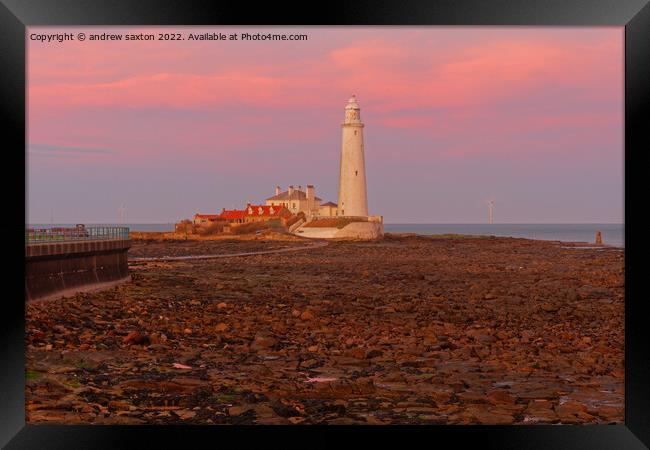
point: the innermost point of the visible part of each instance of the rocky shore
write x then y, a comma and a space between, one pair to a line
403, 330
171, 247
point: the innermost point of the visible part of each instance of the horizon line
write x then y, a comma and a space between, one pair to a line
385, 223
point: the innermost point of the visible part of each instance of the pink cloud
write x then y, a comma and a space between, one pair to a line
400, 77
479, 73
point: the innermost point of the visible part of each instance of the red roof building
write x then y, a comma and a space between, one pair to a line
263, 210
232, 215
254, 213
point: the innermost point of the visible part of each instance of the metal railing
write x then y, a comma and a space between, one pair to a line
40, 235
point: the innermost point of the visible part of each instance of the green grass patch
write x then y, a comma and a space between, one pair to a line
33, 375
73, 382
424, 376
81, 364
225, 398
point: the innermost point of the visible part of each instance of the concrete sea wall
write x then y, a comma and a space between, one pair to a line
55, 270
361, 230
355, 230
317, 232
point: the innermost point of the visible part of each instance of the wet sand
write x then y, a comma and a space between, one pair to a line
403, 330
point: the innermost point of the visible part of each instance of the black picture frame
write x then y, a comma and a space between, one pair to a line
634, 15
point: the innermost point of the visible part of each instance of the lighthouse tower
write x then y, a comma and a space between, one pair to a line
353, 200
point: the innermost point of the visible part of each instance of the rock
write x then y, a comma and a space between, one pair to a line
573, 412
486, 338
394, 376
137, 338
306, 315
263, 341
497, 397
588, 291
222, 305
374, 353
221, 327
539, 411
548, 307
489, 415
446, 345
37, 335
357, 353
119, 405
238, 410
309, 363
264, 411
286, 409
185, 414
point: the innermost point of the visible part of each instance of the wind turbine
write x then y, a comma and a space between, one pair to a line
491, 212
122, 213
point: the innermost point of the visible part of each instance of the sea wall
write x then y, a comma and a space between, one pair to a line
55, 270
361, 230
355, 230
317, 232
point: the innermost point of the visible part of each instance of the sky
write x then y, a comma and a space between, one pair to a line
530, 117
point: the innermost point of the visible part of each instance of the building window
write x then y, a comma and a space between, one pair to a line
355, 132
356, 172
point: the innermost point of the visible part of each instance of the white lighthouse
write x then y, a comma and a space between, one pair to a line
353, 200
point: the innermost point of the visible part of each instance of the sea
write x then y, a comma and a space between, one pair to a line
612, 233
